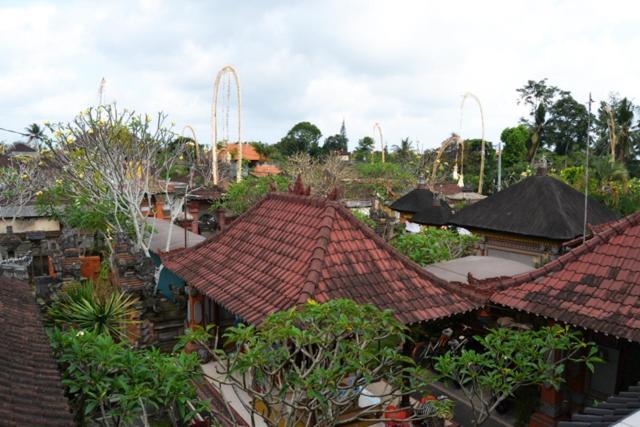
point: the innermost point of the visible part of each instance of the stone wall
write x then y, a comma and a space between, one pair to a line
160, 321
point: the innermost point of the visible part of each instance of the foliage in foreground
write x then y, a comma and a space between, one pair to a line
435, 245
310, 364
116, 385
511, 360
93, 306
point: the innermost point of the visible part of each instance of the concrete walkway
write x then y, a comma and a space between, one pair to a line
233, 398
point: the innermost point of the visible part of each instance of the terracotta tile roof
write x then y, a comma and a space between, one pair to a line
620, 410
265, 170
206, 193
31, 393
447, 188
537, 206
249, 153
289, 248
594, 286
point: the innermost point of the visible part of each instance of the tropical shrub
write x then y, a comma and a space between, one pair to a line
364, 218
510, 360
381, 180
434, 245
244, 194
114, 384
311, 364
93, 306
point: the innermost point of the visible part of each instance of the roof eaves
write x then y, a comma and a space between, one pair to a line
599, 238
476, 300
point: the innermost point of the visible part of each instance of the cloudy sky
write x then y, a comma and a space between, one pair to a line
404, 64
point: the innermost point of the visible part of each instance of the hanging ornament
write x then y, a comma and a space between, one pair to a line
461, 181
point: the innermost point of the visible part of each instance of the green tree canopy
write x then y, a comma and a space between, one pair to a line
566, 130
364, 148
538, 96
304, 137
335, 144
514, 149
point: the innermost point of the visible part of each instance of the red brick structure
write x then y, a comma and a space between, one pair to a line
31, 393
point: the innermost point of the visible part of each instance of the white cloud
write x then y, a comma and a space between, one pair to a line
404, 64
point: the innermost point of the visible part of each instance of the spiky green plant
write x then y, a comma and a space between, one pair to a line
96, 307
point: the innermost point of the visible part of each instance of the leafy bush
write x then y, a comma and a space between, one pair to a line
380, 179
311, 362
435, 245
509, 360
93, 306
242, 195
364, 218
113, 382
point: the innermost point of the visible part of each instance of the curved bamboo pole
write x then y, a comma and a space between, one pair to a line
195, 140
214, 122
376, 126
453, 139
482, 146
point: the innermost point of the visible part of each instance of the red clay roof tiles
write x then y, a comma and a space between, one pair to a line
31, 393
597, 288
289, 248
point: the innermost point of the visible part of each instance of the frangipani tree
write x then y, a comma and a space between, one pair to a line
111, 161
510, 360
20, 183
312, 364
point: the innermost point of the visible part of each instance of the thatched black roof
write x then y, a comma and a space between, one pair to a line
538, 206
425, 207
434, 214
414, 201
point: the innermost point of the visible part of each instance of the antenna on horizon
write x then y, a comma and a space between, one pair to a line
586, 175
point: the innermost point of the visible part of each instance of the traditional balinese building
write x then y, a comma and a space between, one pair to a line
290, 248
265, 170
529, 221
249, 153
595, 287
421, 206
25, 231
31, 391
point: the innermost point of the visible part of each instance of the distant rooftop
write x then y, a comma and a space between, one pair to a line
480, 267
538, 206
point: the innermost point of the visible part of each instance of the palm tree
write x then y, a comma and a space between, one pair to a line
617, 133
35, 133
611, 178
404, 151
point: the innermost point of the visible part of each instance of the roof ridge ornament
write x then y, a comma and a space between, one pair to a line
541, 166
